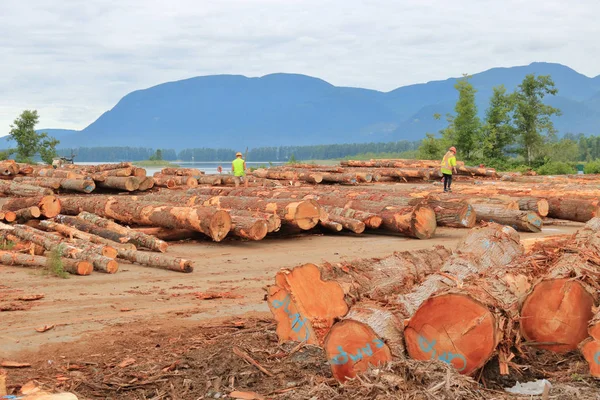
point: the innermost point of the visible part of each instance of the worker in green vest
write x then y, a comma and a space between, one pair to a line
238, 167
449, 165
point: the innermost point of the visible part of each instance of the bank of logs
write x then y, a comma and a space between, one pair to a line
489, 297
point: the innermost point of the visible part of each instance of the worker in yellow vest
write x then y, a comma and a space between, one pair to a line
238, 167
449, 165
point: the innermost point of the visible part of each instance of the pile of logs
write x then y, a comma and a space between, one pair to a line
461, 308
86, 243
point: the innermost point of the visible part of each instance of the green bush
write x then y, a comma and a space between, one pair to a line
593, 167
556, 168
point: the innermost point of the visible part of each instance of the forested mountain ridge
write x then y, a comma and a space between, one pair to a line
234, 111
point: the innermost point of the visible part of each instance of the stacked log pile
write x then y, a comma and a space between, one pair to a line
84, 243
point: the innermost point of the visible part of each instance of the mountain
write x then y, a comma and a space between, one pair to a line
289, 109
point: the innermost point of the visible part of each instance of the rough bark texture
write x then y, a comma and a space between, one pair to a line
249, 227
49, 205
50, 183
156, 260
370, 220
572, 209
184, 180
128, 184
25, 214
182, 172
310, 176
72, 232
350, 224
213, 180
120, 172
23, 190
145, 183
56, 173
307, 299
525, 221
212, 222
139, 239
331, 225
301, 214
91, 228
537, 205
440, 317
52, 242
75, 267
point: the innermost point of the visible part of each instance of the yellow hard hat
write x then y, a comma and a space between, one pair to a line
238, 154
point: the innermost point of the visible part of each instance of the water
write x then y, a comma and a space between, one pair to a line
209, 167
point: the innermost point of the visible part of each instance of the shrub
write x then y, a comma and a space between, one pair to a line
593, 167
556, 168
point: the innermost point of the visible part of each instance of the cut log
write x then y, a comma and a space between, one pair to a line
170, 235
145, 183
309, 177
537, 205
51, 183
139, 239
156, 260
23, 190
56, 173
249, 227
370, 220
9, 168
84, 185
120, 172
91, 228
105, 167
455, 327
25, 214
352, 345
128, 184
349, 179
182, 171
590, 348
301, 214
185, 180
307, 299
555, 314
16, 244
76, 267
52, 242
579, 210
165, 181
139, 172
451, 213
71, 232
214, 223
350, 224
331, 225
49, 205
417, 222
213, 180
525, 221
9, 216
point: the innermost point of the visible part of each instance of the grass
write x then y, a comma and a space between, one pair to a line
155, 163
55, 265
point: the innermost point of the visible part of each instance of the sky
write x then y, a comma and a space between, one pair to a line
73, 60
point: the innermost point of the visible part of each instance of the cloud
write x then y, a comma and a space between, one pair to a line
73, 60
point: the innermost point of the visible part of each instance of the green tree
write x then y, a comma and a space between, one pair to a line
47, 148
497, 131
466, 123
159, 155
532, 116
431, 148
29, 142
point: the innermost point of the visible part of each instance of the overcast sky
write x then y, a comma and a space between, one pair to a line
72, 60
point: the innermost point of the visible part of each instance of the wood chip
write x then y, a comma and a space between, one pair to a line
246, 395
247, 357
14, 364
127, 362
125, 309
45, 328
216, 295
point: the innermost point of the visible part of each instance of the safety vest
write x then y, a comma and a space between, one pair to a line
238, 167
447, 163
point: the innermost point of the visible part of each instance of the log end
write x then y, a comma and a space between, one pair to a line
112, 267
10, 216
542, 207
373, 222
290, 324
452, 328
220, 225
424, 222
49, 206
468, 218
557, 311
306, 214
84, 268
591, 352
352, 347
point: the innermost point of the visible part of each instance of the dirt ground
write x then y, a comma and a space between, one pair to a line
181, 343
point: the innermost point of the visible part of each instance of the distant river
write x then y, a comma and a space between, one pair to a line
209, 167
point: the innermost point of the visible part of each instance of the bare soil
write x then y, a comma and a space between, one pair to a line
181, 338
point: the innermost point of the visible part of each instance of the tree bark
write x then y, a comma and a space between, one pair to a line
170, 235
213, 180
370, 220
106, 167
9, 168
91, 228
23, 190
50, 183
524, 221
145, 183
128, 184
184, 180
214, 223
579, 210
537, 205
52, 242
182, 172
56, 173
301, 214
49, 206
331, 225
139, 239
73, 232
307, 299
349, 179
309, 177
249, 227
25, 214
75, 267
120, 172
165, 181
156, 260
350, 224
440, 317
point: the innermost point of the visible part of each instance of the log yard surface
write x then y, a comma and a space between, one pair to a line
362, 280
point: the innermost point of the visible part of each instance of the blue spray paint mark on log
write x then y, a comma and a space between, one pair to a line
447, 356
344, 357
297, 322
